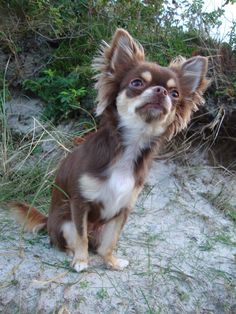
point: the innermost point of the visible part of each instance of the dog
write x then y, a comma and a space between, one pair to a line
142, 105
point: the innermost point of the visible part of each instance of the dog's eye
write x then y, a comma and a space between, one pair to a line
136, 83
175, 93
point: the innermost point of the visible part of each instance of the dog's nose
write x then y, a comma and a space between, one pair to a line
161, 91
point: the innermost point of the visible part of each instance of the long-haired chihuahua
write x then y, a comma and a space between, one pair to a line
141, 105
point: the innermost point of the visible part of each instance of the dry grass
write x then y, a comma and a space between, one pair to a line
179, 244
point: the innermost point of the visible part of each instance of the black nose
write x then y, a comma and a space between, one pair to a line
161, 91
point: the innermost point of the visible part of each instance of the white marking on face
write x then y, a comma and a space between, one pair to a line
147, 76
127, 105
138, 129
118, 190
171, 83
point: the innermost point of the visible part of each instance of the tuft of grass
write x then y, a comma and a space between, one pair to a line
84, 284
150, 309
102, 294
5, 133
224, 239
221, 201
183, 296
231, 213
30, 171
206, 246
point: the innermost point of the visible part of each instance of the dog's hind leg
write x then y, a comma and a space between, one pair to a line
75, 234
109, 237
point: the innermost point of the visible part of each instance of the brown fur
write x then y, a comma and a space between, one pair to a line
110, 72
109, 168
188, 105
29, 217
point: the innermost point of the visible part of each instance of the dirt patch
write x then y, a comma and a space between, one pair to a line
180, 244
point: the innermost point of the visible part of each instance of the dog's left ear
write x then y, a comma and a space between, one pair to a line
193, 82
112, 64
192, 74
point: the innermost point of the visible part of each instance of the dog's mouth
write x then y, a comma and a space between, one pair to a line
157, 107
153, 110
151, 105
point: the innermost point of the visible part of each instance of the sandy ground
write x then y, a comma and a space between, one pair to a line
180, 241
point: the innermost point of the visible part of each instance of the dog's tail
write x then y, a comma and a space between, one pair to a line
28, 216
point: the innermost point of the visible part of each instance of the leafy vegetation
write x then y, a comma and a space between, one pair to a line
70, 32
61, 94
47, 48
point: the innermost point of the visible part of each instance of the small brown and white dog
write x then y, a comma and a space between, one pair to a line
142, 104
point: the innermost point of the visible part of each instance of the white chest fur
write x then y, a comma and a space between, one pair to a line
118, 190
115, 193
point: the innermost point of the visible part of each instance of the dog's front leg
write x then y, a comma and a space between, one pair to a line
80, 241
109, 238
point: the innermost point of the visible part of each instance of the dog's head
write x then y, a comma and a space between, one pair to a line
146, 94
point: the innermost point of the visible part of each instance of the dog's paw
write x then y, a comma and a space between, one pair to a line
79, 266
118, 264
121, 263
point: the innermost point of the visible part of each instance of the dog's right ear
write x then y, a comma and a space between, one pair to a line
113, 62
124, 52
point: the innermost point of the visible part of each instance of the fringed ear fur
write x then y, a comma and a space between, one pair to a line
112, 64
193, 82
191, 73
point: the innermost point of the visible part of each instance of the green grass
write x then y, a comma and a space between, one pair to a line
150, 309
26, 172
224, 239
27, 177
102, 294
84, 284
74, 30
222, 201
206, 246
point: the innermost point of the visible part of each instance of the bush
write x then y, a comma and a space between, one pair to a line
62, 95
74, 29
